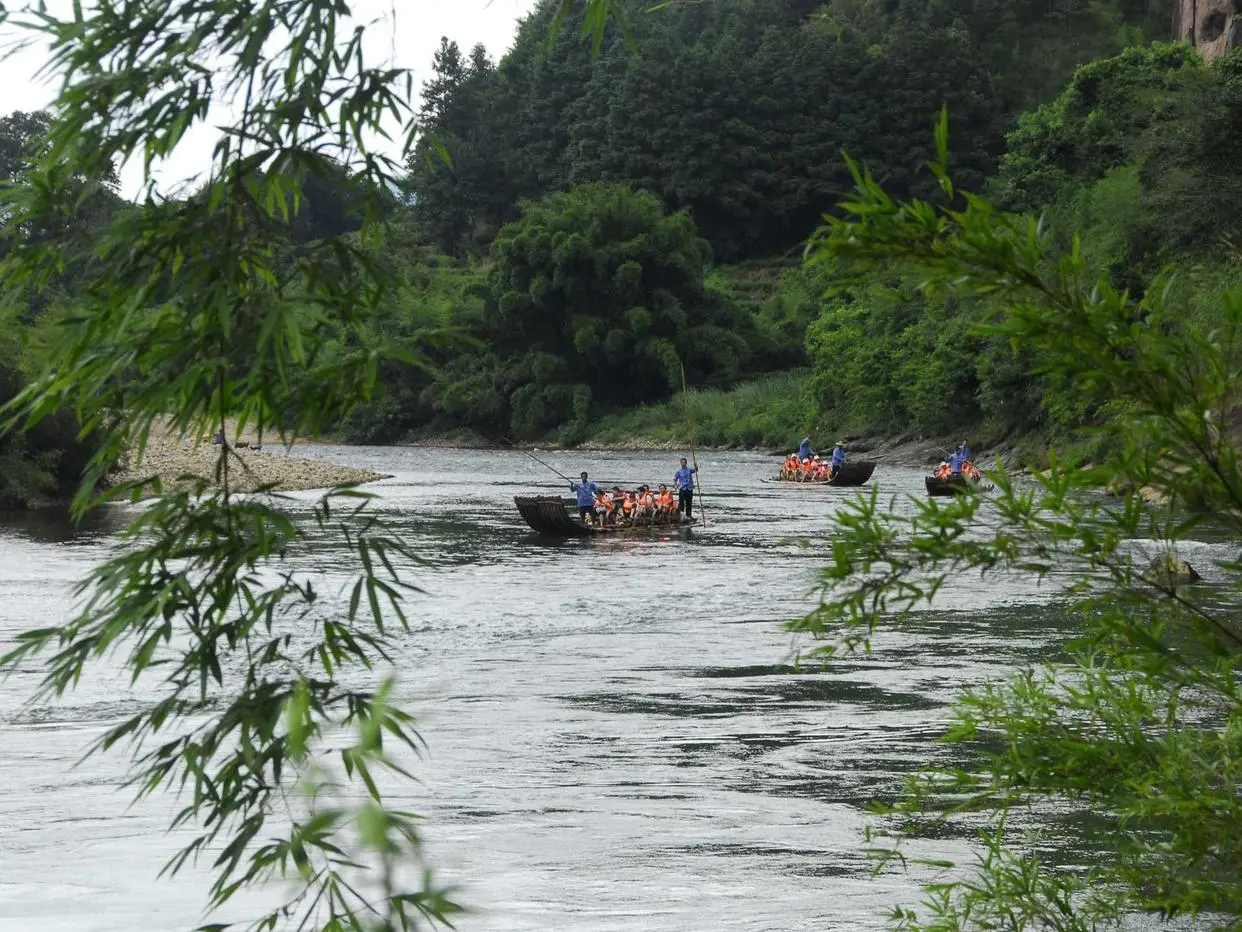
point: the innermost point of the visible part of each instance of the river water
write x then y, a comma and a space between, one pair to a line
615, 738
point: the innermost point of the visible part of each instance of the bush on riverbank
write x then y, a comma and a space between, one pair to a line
771, 412
46, 461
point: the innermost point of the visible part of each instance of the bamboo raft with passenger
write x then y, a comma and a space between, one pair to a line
848, 474
552, 515
956, 476
808, 468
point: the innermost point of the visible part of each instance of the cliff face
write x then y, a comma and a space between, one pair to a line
1212, 26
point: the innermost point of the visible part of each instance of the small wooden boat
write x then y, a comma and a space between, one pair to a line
551, 514
954, 485
849, 474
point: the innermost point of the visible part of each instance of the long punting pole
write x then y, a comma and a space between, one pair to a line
543, 464
698, 484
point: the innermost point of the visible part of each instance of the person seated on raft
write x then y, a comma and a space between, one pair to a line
644, 504
666, 502
605, 507
838, 458
618, 504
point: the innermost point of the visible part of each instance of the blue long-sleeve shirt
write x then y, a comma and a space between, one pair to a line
586, 493
955, 463
964, 453
838, 457
684, 478
805, 452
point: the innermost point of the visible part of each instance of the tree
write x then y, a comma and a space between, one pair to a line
192, 314
1138, 720
738, 111
598, 298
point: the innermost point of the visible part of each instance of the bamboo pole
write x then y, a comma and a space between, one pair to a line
698, 485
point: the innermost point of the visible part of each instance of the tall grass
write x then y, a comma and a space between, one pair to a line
774, 411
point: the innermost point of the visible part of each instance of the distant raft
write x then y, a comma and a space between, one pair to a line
849, 474
953, 485
551, 515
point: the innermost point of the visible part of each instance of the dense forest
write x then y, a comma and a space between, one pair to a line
580, 231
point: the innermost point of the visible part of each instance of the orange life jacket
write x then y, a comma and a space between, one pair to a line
604, 501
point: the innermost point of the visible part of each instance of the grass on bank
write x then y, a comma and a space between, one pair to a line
773, 412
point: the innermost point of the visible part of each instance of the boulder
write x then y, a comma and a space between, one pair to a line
1172, 571
1152, 496
1213, 27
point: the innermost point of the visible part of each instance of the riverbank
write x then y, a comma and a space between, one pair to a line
254, 464
904, 450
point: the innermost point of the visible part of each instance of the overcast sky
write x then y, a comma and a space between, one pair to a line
408, 42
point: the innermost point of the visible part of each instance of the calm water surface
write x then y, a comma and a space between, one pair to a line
616, 741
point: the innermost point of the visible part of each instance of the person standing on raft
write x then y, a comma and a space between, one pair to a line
586, 490
684, 480
804, 451
838, 458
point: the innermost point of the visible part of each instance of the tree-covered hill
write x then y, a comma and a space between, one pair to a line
738, 110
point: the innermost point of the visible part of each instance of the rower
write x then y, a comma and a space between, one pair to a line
586, 491
838, 457
684, 477
804, 450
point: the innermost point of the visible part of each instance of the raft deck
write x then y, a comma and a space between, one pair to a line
848, 475
551, 514
955, 485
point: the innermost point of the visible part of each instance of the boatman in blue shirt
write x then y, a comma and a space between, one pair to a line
586, 491
963, 452
805, 452
684, 479
955, 463
838, 456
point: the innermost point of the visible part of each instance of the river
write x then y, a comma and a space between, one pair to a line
615, 738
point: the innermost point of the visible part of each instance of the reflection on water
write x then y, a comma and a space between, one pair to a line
618, 739
54, 525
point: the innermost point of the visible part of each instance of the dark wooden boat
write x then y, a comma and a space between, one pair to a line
556, 516
849, 474
954, 485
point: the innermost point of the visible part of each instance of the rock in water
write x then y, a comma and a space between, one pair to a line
1172, 571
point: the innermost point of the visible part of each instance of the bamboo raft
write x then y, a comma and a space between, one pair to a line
551, 515
954, 485
849, 474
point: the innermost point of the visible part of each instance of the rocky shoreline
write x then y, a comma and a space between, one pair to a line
252, 466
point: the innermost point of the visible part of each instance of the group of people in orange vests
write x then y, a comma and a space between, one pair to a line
807, 466
809, 470
960, 463
620, 506
644, 506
